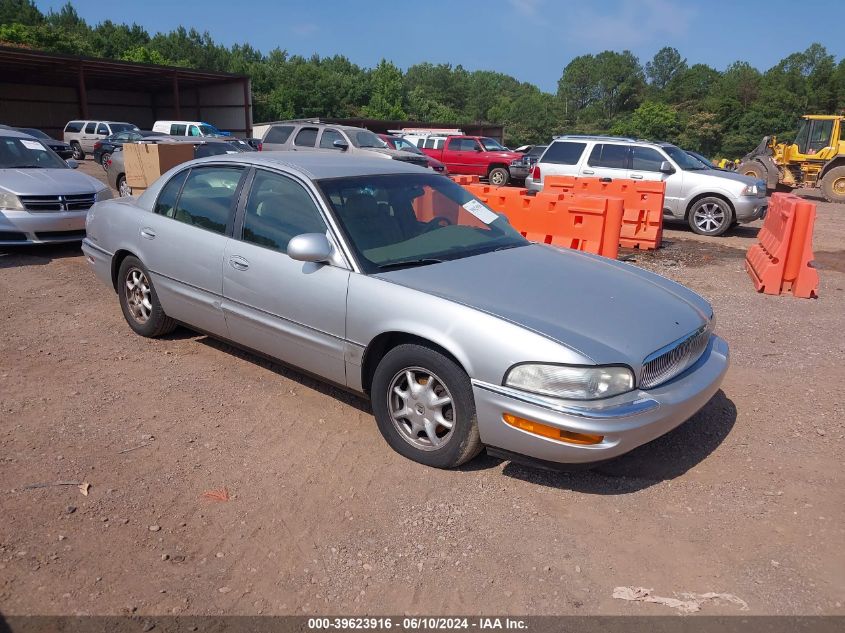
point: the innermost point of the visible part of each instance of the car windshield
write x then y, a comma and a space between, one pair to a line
701, 159
122, 127
402, 220
27, 153
406, 146
365, 138
492, 145
35, 133
682, 159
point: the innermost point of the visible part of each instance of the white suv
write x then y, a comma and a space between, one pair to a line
709, 200
81, 135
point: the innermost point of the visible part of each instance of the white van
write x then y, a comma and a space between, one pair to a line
187, 128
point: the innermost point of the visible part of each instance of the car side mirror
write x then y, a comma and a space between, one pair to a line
72, 163
341, 145
666, 167
310, 247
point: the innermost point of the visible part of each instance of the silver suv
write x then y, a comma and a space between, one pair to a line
81, 135
315, 136
709, 200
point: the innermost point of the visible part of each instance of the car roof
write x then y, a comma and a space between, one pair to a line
320, 165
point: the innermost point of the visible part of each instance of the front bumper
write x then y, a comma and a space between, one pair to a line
519, 172
626, 421
750, 208
24, 227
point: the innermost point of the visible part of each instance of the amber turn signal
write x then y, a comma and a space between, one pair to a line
551, 432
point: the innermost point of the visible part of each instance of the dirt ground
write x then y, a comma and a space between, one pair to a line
747, 497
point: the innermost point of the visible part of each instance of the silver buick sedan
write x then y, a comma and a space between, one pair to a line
396, 283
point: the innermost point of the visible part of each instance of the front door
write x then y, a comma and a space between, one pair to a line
294, 311
183, 240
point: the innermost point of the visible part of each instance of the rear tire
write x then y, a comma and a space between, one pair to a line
104, 160
78, 154
710, 216
417, 393
833, 184
139, 301
499, 176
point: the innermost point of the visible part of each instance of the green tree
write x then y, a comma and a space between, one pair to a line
652, 120
20, 12
387, 96
666, 64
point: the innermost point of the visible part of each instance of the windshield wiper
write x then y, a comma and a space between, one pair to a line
423, 261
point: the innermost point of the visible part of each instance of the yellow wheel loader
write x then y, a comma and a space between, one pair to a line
815, 159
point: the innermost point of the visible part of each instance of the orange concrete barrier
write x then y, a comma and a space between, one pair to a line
465, 180
642, 223
782, 261
584, 223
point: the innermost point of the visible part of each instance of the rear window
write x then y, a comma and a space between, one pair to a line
609, 156
564, 153
278, 134
74, 126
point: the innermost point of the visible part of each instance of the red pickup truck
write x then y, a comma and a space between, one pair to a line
474, 155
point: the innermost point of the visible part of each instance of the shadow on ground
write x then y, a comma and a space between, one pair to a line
37, 254
665, 458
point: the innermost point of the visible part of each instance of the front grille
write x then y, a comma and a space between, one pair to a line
70, 202
668, 362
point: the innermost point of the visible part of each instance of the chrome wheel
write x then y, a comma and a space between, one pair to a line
123, 188
138, 295
709, 217
421, 408
78, 154
104, 161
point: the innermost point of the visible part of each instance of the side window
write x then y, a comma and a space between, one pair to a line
646, 159
609, 156
91, 128
278, 134
102, 129
429, 143
166, 203
177, 129
421, 142
74, 126
462, 145
193, 131
329, 137
439, 143
820, 134
278, 209
208, 196
563, 153
306, 137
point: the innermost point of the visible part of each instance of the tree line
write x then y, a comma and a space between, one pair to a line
719, 113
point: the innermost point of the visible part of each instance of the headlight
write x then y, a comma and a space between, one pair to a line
750, 190
10, 201
577, 383
104, 194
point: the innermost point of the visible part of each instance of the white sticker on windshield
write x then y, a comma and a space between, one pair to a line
32, 144
481, 212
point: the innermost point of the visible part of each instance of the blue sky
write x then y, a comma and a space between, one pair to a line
532, 40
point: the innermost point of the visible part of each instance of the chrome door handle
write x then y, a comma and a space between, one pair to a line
148, 233
238, 263
589, 171
636, 177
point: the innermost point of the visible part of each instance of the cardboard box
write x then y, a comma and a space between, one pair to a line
145, 162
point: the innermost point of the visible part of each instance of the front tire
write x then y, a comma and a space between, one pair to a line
833, 184
499, 177
710, 216
424, 408
78, 154
139, 301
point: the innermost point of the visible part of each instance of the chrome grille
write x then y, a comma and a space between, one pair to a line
70, 202
669, 361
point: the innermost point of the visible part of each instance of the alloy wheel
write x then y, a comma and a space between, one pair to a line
709, 217
421, 408
138, 295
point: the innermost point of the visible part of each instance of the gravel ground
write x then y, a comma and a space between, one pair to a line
322, 517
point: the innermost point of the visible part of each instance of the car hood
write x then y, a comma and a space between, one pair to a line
723, 175
607, 311
46, 182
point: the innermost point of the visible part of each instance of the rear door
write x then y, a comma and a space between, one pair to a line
305, 139
182, 243
294, 311
88, 136
607, 160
